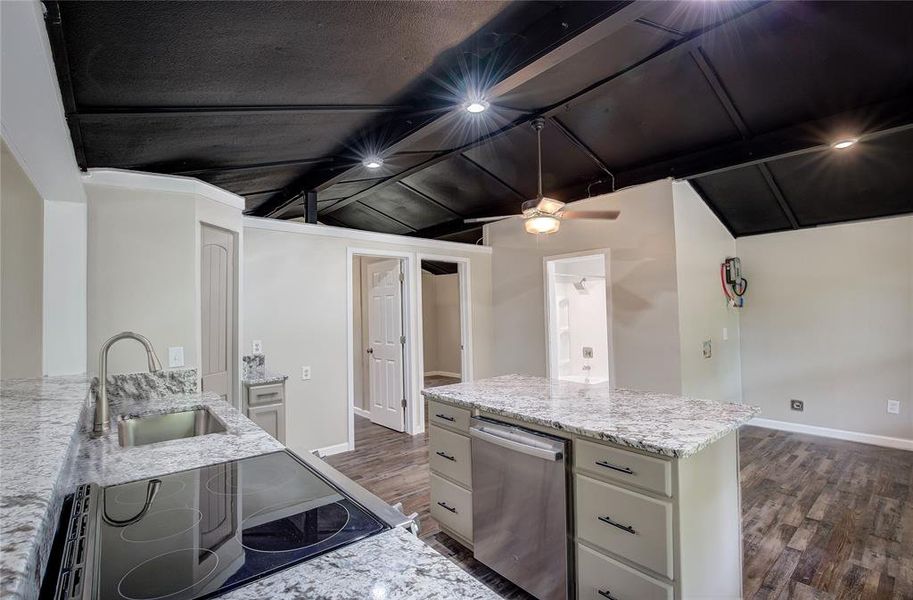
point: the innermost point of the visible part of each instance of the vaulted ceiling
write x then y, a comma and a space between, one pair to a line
281, 102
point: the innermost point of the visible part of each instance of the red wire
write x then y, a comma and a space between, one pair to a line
723, 281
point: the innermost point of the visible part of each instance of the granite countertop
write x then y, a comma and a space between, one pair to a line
38, 441
47, 452
264, 377
666, 424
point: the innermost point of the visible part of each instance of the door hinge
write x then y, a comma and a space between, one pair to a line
402, 340
404, 402
402, 278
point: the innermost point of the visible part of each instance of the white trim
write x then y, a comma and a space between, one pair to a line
442, 374
838, 434
410, 324
165, 183
357, 234
361, 412
330, 450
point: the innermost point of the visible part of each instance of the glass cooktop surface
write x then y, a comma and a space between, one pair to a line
211, 529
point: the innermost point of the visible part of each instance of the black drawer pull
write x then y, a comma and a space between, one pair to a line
445, 507
445, 455
445, 417
627, 528
608, 465
606, 594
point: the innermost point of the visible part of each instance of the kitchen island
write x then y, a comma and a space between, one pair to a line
46, 454
653, 501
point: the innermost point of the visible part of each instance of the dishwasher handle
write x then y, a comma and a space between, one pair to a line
537, 451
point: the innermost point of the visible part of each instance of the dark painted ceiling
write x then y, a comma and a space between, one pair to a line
281, 101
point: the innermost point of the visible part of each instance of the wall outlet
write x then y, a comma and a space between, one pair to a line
257, 347
175, 357
797, 405
587, 352
707, 348
305, 373
894, 407
725, 334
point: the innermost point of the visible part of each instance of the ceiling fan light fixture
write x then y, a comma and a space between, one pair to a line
542, 224
549, 205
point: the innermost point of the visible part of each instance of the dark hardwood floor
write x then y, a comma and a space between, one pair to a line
822, 518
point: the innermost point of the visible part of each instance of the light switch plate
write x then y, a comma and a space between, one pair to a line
894, 407
175, 357
257, 347
305, 373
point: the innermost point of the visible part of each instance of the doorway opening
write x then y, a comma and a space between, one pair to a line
578, 300
442, 336
380, 327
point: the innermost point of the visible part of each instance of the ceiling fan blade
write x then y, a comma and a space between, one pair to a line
490, 219
590, 214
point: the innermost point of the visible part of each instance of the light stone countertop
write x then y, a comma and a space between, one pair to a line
46, 453
670, 425
262, 377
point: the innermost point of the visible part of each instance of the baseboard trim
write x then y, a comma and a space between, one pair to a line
442, 374
331, 450
838, 434
361, 412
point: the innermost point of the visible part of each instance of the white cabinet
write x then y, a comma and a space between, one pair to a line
265, 406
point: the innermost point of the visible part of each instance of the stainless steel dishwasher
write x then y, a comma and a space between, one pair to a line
519, 506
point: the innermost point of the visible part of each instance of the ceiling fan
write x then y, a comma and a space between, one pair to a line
544, 215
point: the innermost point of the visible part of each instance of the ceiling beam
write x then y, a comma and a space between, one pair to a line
517, 193
719, 90
206, 111
866, 123
619, 20
445, 228
383, 214
428, 198
254, 166
572, 137
608, 23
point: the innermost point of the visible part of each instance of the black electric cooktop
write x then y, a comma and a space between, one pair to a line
205, 530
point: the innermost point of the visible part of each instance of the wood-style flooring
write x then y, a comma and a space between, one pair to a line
822, 518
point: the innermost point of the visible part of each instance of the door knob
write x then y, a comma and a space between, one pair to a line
370, 350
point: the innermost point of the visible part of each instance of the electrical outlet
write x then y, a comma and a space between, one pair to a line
707, 348
725, 334
894, 407
175, 357
798, 405
257, 347
587, 352
305, 373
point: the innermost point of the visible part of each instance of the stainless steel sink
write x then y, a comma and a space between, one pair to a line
138, 431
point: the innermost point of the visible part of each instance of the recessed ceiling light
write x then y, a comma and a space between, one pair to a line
844, 143
476, 106
374, 162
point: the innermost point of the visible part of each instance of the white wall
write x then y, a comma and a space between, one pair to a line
144, 262
702, 243
441, 324
21, 271
643, 277
828, 319
295, 301
65, 276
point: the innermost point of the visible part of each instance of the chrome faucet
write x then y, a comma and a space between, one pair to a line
101, 394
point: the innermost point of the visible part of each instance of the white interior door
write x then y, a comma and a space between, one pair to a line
217, 303
385, 344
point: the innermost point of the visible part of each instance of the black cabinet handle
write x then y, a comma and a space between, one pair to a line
606, 594
627, 528
447, 456
445, 417
608, 465
445, 507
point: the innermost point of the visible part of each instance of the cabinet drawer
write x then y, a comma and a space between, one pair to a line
614, 464
259, 395
450, 455
600, 578
451, 506
629, 524
449, 416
